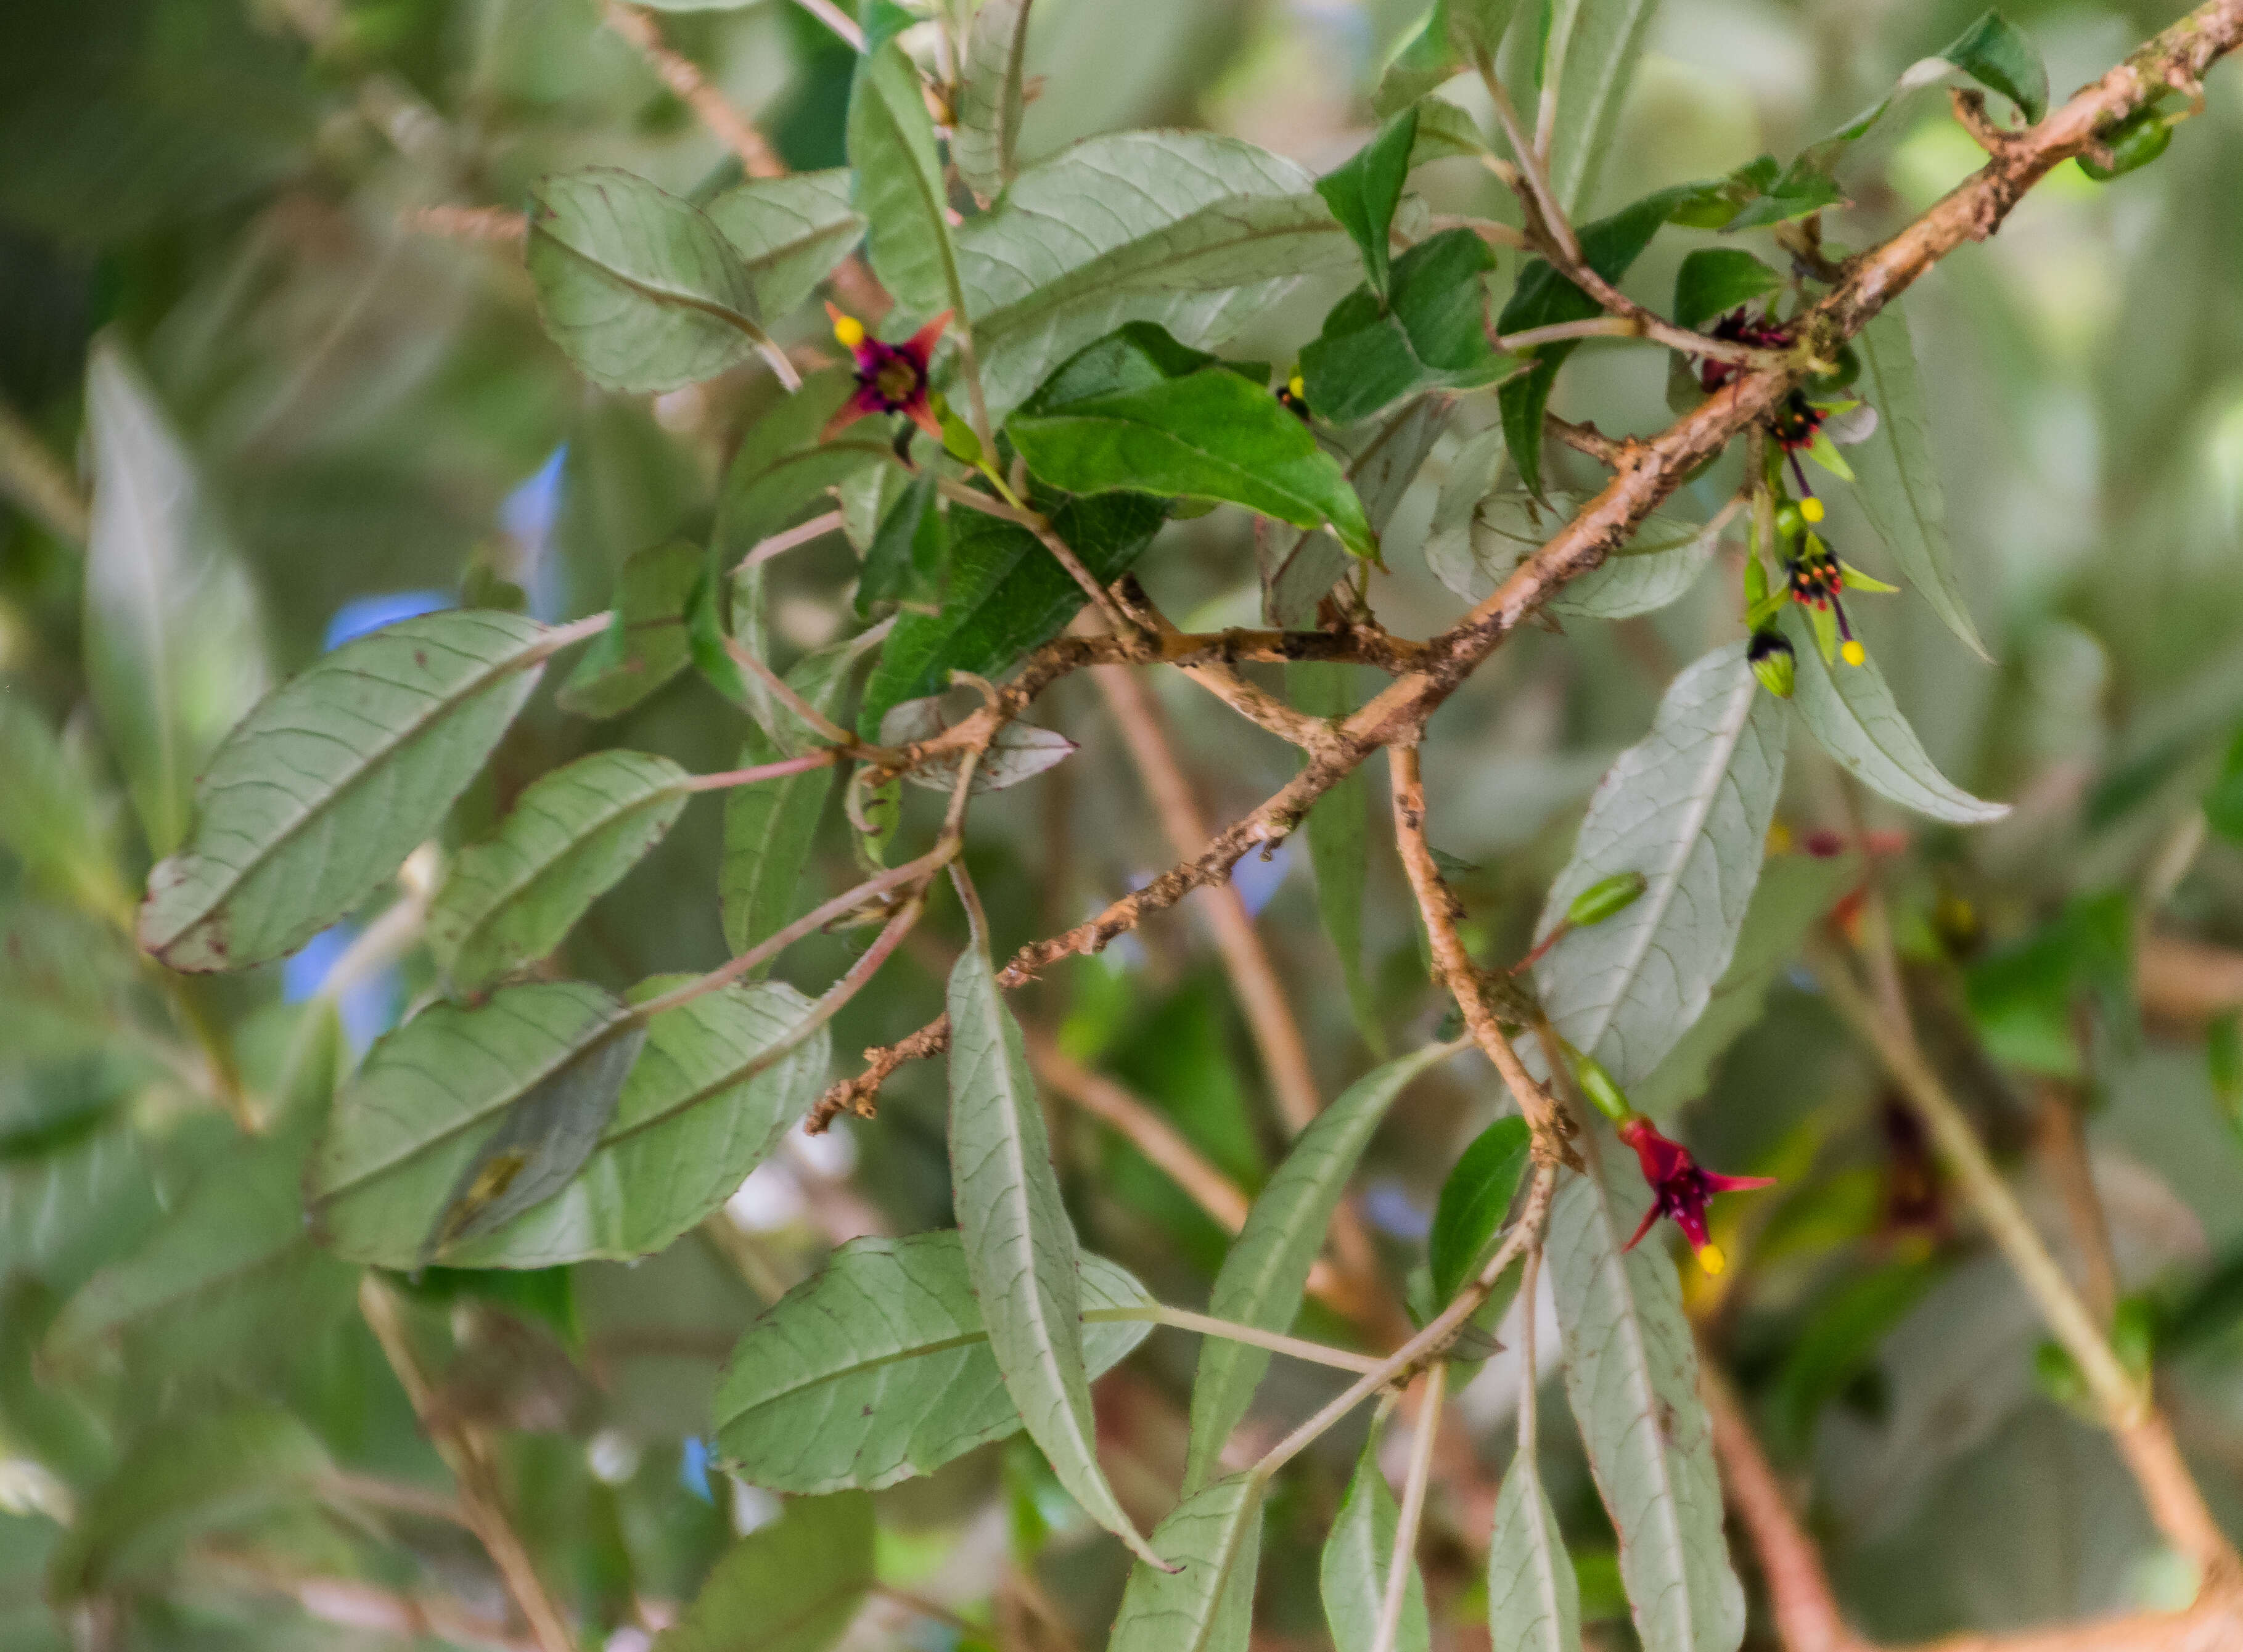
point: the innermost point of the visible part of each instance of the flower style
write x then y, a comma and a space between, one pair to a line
891, 378
1682, 1189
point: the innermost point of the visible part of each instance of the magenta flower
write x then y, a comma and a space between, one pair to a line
891, 378
1683, 1189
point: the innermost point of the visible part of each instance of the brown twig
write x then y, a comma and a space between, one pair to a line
468, 1457
685, 79
498, 225
40, 483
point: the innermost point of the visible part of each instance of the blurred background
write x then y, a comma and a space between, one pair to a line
362, 412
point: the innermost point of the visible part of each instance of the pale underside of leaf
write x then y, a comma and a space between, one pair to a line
792, 1585
1357, 1555
1851, 711
1261, 1280
1631, 1378
1603, 42
988, 135
899, 187
1214, 1539
1474, 550
878, 1368
1533, 1597
789, 231
321, 792
1688, 808
1020, 1249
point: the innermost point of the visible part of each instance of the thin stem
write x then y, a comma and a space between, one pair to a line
1035, 523
683, 79
745, 658
1540, 199
558, 637
1530, 1383
824, 757
1488, 229
836, 19
1208, 1326
1428, 1343
1142, 1127
816, 529
1602, 327
1399, 1564
40, 483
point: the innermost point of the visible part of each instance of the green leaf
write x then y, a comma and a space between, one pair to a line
1632, 1377
1533, 1598
174, 650
1006, 594
1475, 1200
792, 1585
1426, 56
1475, 553
1543, 297
2223, 804
1593, 48
899, 186
1119, 415
1716, 280
1357, 1555
1021, 1250
1689, 807
646, 643
1897, 476
904, 561
1261, 1280
1214, 1539
1806, 186
1795, 893
789, 231
986, 141
1993, 52
1479, 25
639, 287
1198, 233
1839, 1340
512, 1094
569, 839
877, 1368
1363, 191
319, 794
770, 828
1852, 715
222, 1469
783, 469
1300, 567
49, 819
1434, 334
1339, 843
228, 1265
1444, 132
710, 1097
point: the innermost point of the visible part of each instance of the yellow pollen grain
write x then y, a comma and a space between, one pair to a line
1854, 653
849, 331
1711, 1259
1296, 385
1811, 508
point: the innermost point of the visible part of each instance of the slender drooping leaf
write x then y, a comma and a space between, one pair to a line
1263, 1277
792, 1585
1632, 1378
1475, 553
1474, 1201
1339, 843
899, 184
1298, 568
1021, 1250
462, 1119
986, 141
1007, 595
1896, 476
1138, 410
570, 836
174, 651
1688, 808
1794, 892
1363, 191
1357, 1555
877, 1367
1214, 1539
1715, 279
1198, 233
645, 644
49, 818
1533, 1598
1593, 48
639, 286
319, 794
789, 231
1430, 333
710, 1097
181, 1479
1851, 711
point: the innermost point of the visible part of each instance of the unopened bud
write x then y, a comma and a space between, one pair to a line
1602, 1089
1773, 662
1605, 899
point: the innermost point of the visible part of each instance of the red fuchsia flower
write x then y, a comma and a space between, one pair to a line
1683, 1189
891, 378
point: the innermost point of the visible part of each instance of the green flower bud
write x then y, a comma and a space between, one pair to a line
1606, 897
1790, 521
1602, 1089
2135, 141
1773, 662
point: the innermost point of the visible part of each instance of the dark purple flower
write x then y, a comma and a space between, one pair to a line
891, 378
1682, 1190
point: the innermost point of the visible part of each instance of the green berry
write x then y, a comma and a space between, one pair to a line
1790, 521
1605, 899
2135, 141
